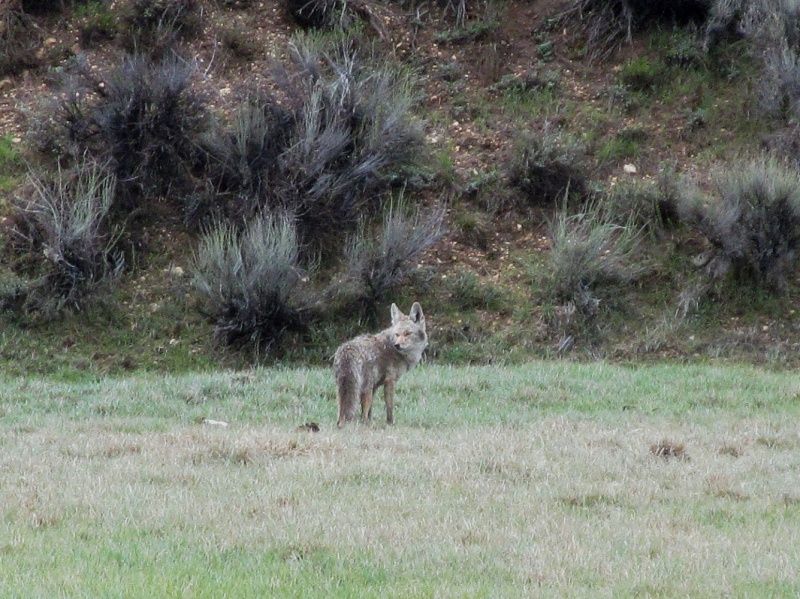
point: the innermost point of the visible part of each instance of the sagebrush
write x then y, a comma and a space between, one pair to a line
752, 222
378, 261
63, 220
326, 144
251, 283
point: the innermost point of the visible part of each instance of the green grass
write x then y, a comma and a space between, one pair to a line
10, 164
531, 481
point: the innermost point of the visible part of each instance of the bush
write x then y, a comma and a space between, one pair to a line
590, 250
64, 223
143, 118
237, 40
20, 38
324, 145
156, 26
604, 25
245, 160
377, 264
250, 283
546, 165
467, 292
641, 74
648, 205
773, 27
95, 22
149, 122
753, 225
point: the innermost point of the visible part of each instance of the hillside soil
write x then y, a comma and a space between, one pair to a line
471, 123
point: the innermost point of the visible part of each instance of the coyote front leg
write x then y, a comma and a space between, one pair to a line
388, 397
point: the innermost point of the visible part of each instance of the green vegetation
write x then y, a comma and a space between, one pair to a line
215, 200
529, 159
544, 480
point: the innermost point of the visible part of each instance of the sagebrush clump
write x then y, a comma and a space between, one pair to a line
143, 118
63, 221
602, 26
589, 250
251, 283
378, 261
752, 222
546, 165
326, 144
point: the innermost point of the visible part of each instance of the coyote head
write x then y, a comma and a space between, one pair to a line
408, 332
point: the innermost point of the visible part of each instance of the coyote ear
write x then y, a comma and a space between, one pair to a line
416, 314
396, 314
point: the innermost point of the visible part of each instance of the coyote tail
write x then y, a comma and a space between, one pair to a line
348, 387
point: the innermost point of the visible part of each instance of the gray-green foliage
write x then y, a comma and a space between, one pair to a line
589, 250
64, 220
251, 282
378, 263
752, 221
547, 164
773, 27
332, 151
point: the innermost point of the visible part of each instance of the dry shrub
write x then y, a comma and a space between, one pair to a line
250, 282
64, 223
752, 222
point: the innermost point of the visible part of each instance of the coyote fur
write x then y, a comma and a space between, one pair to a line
363, 364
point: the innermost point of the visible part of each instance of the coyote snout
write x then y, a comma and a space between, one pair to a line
363, 364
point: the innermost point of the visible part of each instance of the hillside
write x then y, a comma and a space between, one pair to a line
616, 133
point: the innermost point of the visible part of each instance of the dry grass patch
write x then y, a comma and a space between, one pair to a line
554, 507
482, 489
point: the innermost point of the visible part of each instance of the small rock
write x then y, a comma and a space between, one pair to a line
630, 169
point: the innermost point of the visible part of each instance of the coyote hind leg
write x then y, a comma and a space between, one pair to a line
366, 406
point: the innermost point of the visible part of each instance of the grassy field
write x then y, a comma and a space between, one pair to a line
542, 480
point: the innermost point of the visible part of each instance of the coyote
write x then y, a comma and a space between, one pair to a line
363, 364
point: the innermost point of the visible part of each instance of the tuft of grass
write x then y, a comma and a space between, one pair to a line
668, 449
